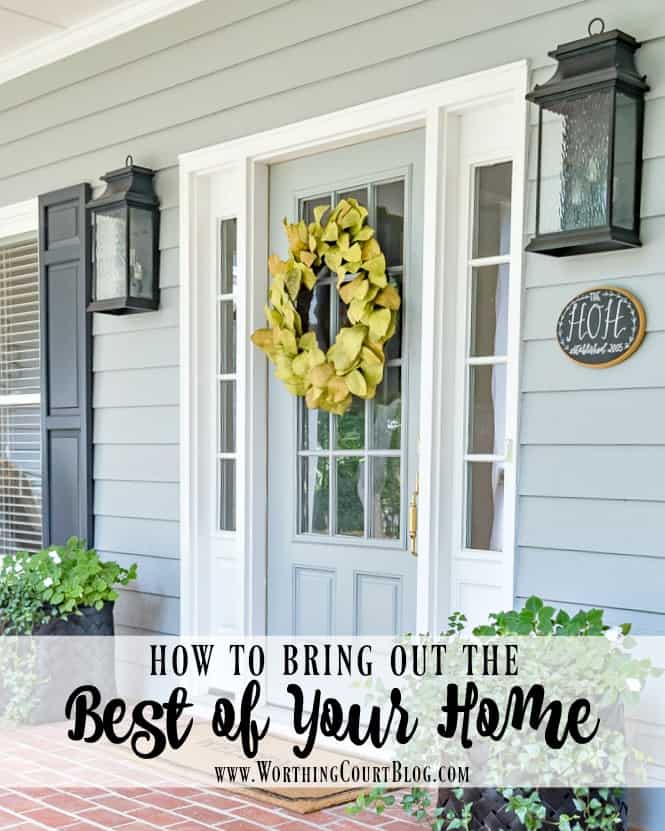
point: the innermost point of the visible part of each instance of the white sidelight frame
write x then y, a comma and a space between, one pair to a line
227, 570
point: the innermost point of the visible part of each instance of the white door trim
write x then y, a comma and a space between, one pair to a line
240, 169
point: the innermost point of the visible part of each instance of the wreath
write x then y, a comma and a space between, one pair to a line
341, 240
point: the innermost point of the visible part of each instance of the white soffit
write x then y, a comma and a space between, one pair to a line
34, 34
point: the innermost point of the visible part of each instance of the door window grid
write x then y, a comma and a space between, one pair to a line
488, 274
225, 374
345, 460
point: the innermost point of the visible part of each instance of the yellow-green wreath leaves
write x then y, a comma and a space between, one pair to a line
342, 240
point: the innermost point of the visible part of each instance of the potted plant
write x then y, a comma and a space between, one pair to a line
64, 591
520, 809
61, 590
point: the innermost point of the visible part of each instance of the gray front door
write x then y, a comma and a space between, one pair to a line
339, 486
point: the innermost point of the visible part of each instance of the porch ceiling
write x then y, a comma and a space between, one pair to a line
34, 33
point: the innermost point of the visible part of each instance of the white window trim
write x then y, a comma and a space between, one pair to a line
243, 166
19, 218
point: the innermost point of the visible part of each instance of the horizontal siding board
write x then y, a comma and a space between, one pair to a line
549, 271
139, 500
623, 417
546, 367
603, 472
644, 623
620, 527
155, 575
543, 305
136, 425
167, 187
426, 65
156, 462
169, 268
209, 54
592, 579
148, 611
158, 538
153, 387
166, 316
168, 228
136, 350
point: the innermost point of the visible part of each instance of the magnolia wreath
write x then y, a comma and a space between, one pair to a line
341, 240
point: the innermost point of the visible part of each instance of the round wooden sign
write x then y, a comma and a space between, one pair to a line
601, 327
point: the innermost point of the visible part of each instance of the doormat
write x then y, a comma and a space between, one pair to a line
202, 753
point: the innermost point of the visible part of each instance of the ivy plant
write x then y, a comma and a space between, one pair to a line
595, 810
55, 583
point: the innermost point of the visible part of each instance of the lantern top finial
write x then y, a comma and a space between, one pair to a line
600, 60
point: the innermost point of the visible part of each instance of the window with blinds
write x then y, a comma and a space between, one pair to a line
20, 434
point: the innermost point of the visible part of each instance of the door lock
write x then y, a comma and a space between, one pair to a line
413, 520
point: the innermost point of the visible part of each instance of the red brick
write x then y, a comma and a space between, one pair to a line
260, 815
156, 816
162, 800
189, 825
7, 819
118, 803
68, 802
50, 817
202, 814
222, 803
238, 825
103, 816
18, 803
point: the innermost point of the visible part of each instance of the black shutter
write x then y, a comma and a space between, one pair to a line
66, 365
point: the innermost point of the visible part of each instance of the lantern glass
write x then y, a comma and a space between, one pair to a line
141, 252
110, 234
626, 122
575, 162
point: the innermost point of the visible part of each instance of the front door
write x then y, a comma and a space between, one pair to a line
339, 486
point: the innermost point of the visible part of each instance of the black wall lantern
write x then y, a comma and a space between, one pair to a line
590, 147
125, 243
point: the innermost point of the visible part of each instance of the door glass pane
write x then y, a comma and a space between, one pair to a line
314, 495
350, 486
307, 206
489, 310
314, 428
386, 493
228, 257
386, 410
360, 194
491, 225
487, 386
350, 427
227, 337
227, 416
484, 482
314, 309
390, 221
227, 494
393, 348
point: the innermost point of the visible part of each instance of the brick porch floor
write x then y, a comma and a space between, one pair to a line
178, 809
43, 756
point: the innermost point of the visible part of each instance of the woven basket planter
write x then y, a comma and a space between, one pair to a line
490, 812
66, 663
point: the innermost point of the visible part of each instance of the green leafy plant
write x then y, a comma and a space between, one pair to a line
55, 583
595, 809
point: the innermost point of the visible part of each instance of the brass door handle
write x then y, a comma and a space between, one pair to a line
413, 520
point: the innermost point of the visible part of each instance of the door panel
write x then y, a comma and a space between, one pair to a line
338, 559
